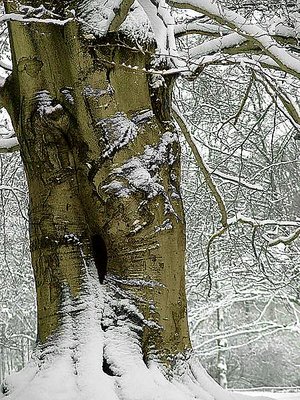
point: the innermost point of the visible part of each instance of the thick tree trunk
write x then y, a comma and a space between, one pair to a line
102, 162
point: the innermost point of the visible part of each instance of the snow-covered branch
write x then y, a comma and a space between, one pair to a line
34, 14
259, 334
286, 240
237, 180
256, 222
201, 28
280, 32
292, 108
162, 24
244, 330
243, 30
9, 145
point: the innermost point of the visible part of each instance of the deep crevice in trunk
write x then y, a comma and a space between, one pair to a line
100, 256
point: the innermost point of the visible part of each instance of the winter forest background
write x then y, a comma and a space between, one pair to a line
243, 281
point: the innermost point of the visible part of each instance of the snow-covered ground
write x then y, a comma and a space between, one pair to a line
279, 396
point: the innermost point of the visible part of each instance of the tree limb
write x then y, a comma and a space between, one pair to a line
120, 13
288, 103
199, 28
201, 164
284, 239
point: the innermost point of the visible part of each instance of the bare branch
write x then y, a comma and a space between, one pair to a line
283, 239
121, 10
201, 164
288, 103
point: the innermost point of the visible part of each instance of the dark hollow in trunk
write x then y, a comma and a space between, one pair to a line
100, 256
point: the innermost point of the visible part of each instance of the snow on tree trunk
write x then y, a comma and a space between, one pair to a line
101, 156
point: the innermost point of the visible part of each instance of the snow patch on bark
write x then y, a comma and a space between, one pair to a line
68, 94
118, 132
89, 91
134, 282
141, 173
45, 104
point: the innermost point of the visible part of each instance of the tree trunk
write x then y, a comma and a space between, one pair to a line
222, 350
101, 156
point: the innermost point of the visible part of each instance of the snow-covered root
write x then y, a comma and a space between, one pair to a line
97, 355
69, 365
138, 381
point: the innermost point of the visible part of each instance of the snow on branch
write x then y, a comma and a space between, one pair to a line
8, 145
196, 27
213, 46
252, 32
286, 240
120, 10
34, 14
221, 58
255, 327
162, 24
256, 223
101, 17
237, 180
259, 332
252, 331
278, 31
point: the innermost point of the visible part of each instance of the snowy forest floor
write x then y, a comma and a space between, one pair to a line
279, 396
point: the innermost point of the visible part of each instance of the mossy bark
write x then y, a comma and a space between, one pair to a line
102, 160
